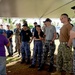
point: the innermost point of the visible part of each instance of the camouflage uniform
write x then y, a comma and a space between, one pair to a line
17, 33
72, 35
48, 48
74, 56
74, 62
64, 58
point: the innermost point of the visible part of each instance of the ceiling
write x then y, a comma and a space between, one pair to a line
36, 8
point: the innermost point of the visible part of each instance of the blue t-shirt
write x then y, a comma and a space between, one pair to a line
9, 33
34, 29
3, 42
2, 31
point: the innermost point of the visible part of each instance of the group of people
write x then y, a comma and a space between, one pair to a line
44, 42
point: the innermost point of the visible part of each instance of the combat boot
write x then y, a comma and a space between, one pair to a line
41, 67
50, 69
68, 74
28, 61
56, 73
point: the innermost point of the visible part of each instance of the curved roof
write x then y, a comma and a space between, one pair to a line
36, 8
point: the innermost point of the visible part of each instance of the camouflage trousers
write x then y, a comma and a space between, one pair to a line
48, 48
74, 61
64, 58
17, 47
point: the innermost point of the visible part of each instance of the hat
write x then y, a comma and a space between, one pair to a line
35, 22
25, 25
48, 20
73, 7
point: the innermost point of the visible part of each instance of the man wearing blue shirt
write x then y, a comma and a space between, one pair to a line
9, 36
2, 31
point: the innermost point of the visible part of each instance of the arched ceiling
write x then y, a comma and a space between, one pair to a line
36, 8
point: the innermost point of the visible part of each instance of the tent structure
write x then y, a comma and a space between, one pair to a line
36, 8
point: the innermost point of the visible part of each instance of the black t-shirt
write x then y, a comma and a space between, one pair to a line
37, 36
25, 35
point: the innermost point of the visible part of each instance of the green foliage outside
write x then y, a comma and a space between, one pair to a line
12, 23
73, 22
30, 26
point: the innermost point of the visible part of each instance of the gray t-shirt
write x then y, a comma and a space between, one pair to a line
49, 32
73, 42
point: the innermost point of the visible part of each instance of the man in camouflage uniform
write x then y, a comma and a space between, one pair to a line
17, 33
64, 56
72, 37
49, 45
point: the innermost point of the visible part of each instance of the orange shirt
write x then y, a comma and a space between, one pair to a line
65, 33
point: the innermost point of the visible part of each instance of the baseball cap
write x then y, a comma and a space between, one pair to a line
25, 25
73, 7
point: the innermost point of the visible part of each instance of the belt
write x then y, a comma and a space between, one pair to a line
63, 42
37, 40
48, 40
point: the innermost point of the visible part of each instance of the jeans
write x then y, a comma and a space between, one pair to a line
10, 50
38, 47
2, 65
25, 50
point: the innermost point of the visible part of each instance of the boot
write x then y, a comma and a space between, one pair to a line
56, 73
28, 61
50, 68
68, 74
41, 67
22, 61
32, 66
